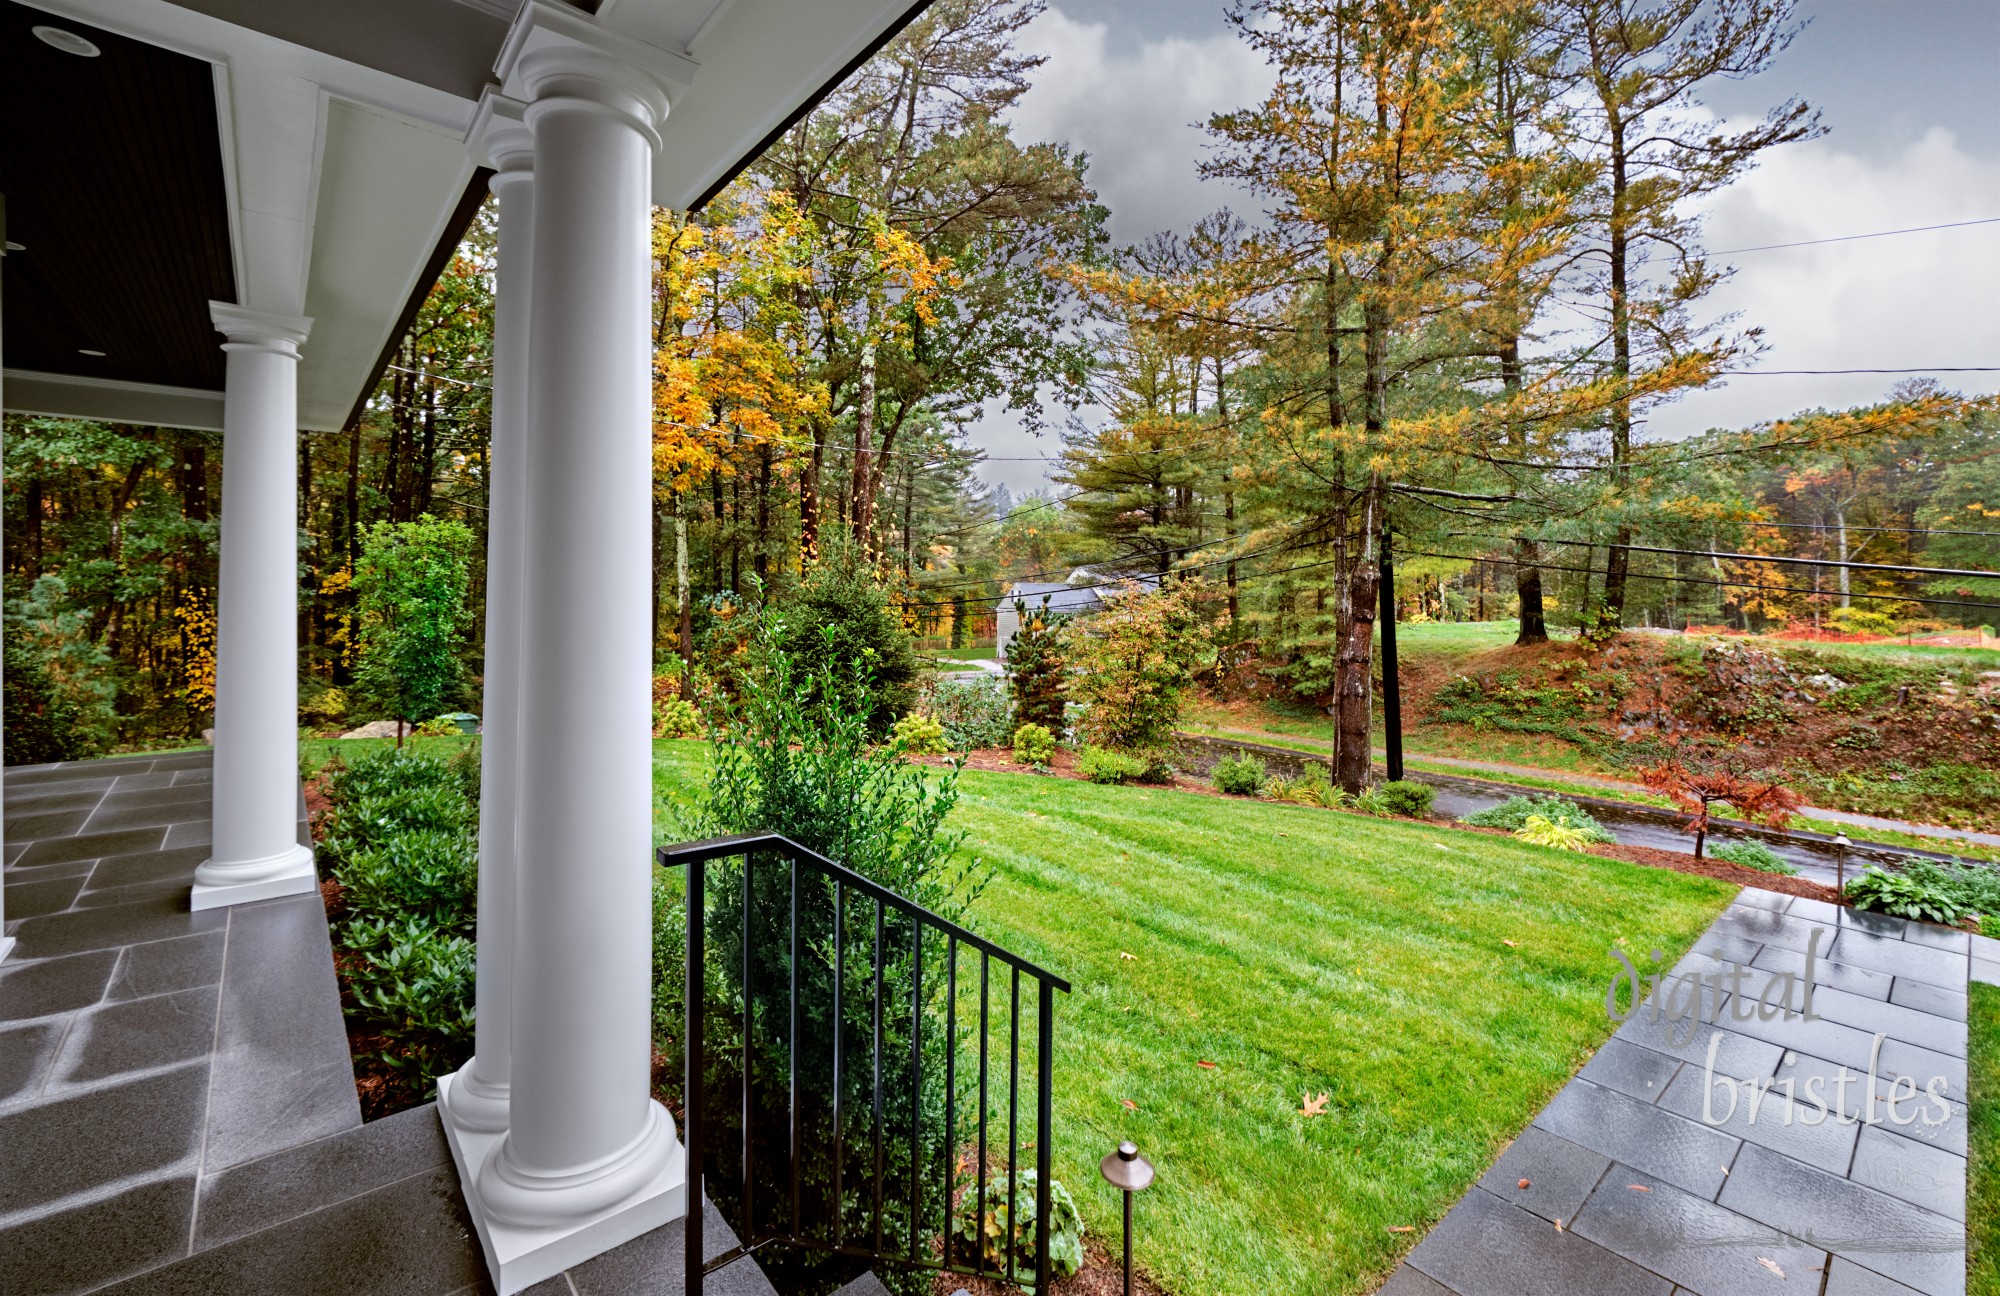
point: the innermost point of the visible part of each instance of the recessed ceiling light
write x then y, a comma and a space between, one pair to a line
67, 41
87, 351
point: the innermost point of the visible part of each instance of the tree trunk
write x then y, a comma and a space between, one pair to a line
1528, 584
683, 598
1617, 562
1352, 717
809, 498
864, 449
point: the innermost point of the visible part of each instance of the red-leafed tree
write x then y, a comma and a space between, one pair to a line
1697, 787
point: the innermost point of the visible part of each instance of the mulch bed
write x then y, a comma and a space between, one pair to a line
1103, 1274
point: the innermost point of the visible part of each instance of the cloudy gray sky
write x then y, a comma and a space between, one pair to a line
1907, 88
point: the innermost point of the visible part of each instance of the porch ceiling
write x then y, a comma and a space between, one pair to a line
310, 159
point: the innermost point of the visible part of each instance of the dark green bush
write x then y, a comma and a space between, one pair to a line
838, 624
975, 713
1399, 797
1038, 667
420, 872
1239, 775
415, 983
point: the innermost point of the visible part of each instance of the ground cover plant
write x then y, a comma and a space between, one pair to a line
1437, 998
1929, 890
1982, 1194
1513, 815
1752, 854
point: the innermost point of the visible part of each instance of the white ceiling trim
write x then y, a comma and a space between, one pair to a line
109, 401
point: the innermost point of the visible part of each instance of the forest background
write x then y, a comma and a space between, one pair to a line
1475, 266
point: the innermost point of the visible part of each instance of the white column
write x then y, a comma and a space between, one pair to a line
474, 1100
256, 853
588, 1160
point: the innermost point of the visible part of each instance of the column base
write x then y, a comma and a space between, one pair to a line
291, 873
519, 1256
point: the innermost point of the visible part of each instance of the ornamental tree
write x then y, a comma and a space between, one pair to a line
1697, 788
1135, 661
411, 614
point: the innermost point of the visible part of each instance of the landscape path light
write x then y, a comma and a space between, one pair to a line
1840, 845
1128, 1172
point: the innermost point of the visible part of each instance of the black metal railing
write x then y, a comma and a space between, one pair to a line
795, 1085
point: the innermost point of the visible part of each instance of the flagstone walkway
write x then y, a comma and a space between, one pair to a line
1626, 1184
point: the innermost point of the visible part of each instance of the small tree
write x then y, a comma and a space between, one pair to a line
1135, 661
1698, 787
410, 601
838, 623
1036, 667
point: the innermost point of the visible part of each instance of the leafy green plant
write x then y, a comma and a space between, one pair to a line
416, 982
1514, 813
1103, 765
1399, 797
838, 625
1914, 892
1537, 831
1005, 1219
1313, 786
975, 713
1753, 855
60, 692
424, 873
1239, 775
1034, 745
919, 735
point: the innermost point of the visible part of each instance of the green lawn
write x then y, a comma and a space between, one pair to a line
1300, 950
1982, 1194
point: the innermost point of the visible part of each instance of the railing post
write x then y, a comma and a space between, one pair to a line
1044, 1134
692, 1083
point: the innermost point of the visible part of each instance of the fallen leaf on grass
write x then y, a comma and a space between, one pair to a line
1522, 1184
1510, 944
1772, 1265
1441, 846
1205, 1064
1311, 1106
1129, 1104
1402, 1228
1122, 954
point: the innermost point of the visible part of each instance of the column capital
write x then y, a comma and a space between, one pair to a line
555, 52
500, 137
262, 330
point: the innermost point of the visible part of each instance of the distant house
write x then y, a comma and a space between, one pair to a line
1083, 592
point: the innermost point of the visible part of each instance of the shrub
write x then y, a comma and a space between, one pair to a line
1239, 775
1034, 745
1854, 620
416, 982
1103, 765
411, 611
1005, 1220
1399, 797
918, 735
1538, 831
1514, 813
975, 713
1314, 786
1136, 659
1926, 894
1036, 666
424, 873
1753, 855
61, 694
838, 625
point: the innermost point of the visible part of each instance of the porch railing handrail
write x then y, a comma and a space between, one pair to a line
695, 856
715, 848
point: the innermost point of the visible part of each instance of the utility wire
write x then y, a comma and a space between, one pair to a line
1725, 556
1849, 238
1719, 584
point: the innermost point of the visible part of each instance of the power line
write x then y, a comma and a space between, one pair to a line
1717, 584
1772, 373
1814, 526
1849, 238
1725, 556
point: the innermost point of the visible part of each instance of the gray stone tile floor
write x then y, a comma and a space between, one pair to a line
1640, 1177
177, 1105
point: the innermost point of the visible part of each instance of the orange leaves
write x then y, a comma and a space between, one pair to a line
1310, 1105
